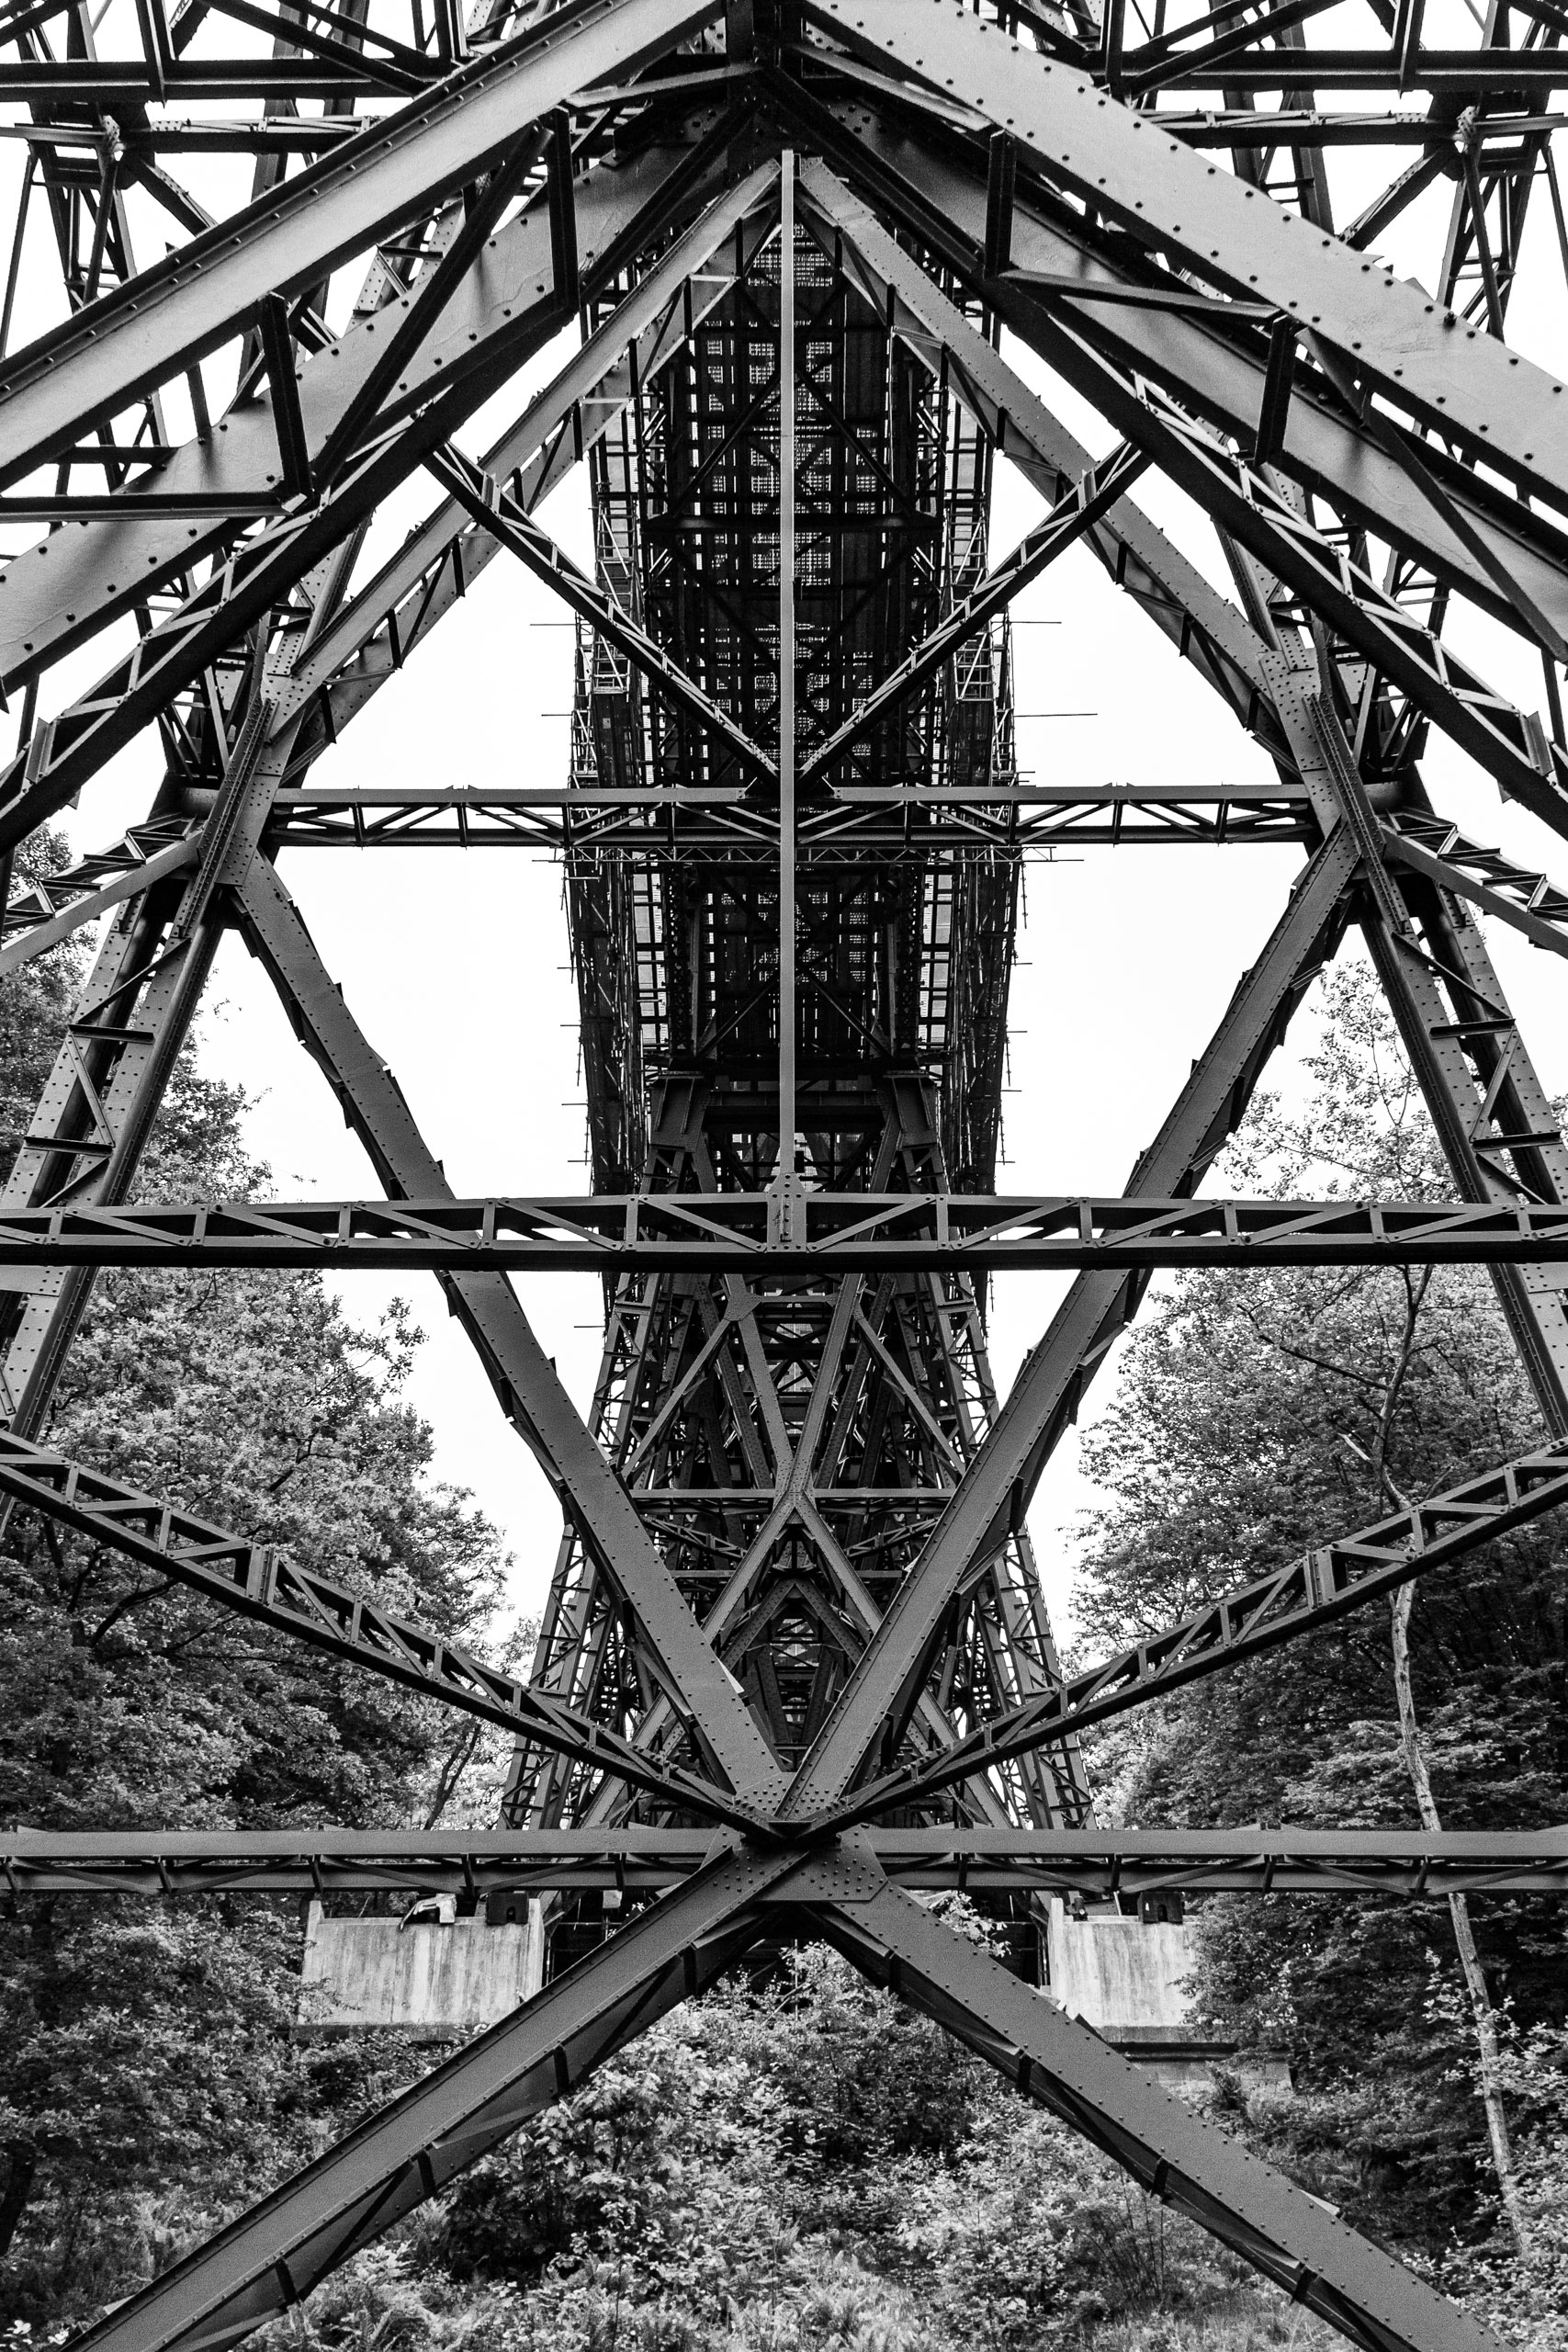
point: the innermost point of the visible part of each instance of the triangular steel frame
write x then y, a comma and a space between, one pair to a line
754, 1650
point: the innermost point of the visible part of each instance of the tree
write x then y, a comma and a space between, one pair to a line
1257, 1414
146, 2046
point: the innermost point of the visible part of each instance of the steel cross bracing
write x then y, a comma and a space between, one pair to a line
794, 1660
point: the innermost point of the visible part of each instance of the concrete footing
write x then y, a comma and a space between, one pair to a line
431, 1978
1130, 1978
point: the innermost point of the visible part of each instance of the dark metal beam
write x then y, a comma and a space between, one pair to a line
271, 2255
263, 1584
1185, 2162
1206, 626
992, 1494
1228, 233
834, 1234
1094, 1864
496, 510
525, 1381
292, 238
1220, 371
71, 585
339, 670
1526, 901
1314, 1591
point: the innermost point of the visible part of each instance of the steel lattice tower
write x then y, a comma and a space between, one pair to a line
794, 1660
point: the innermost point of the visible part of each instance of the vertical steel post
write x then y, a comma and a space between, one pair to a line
786, 665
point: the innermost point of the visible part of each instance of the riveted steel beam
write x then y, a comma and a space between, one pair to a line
295, 236
1218, 368
1526, 901
71, 585
1170, 201
345, 663
1153, 2134
530, 1390
262, 572
271, 2255
834, 1234
1313, 1591
263, 1584
1096, 1864
1206, 626
49, 912
994, 1492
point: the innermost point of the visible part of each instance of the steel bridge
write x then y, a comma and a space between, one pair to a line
795, 1667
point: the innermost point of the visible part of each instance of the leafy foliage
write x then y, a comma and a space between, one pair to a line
144, 2046
796, 2161
783, 2166
1256, 1414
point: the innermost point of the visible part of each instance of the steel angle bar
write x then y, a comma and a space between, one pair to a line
1144, 64
345, 1862
49, 912
124, 82
1313, 1591
1096, 491
368, 412
1188, 2163
388, 66
704, 1696
1102, 1863
586, 797
1458, 74
1218, 374
67, 751
65, 588
616, 1235
1096, 1863
1228, 233
992, 1494
167, 316
374, 635
1430, 847
1510, 744
1206, 626
261, 1583
499, 512
271, 2255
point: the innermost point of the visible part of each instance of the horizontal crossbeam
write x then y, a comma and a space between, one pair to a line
894, 823
829, 1233
1096, 1864
1311, 1592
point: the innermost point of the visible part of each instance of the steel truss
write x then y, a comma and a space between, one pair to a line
1094, 1864
794, 1660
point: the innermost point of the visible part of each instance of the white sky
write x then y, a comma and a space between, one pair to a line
455, 962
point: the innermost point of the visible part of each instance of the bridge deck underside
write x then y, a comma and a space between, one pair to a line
816, 1428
